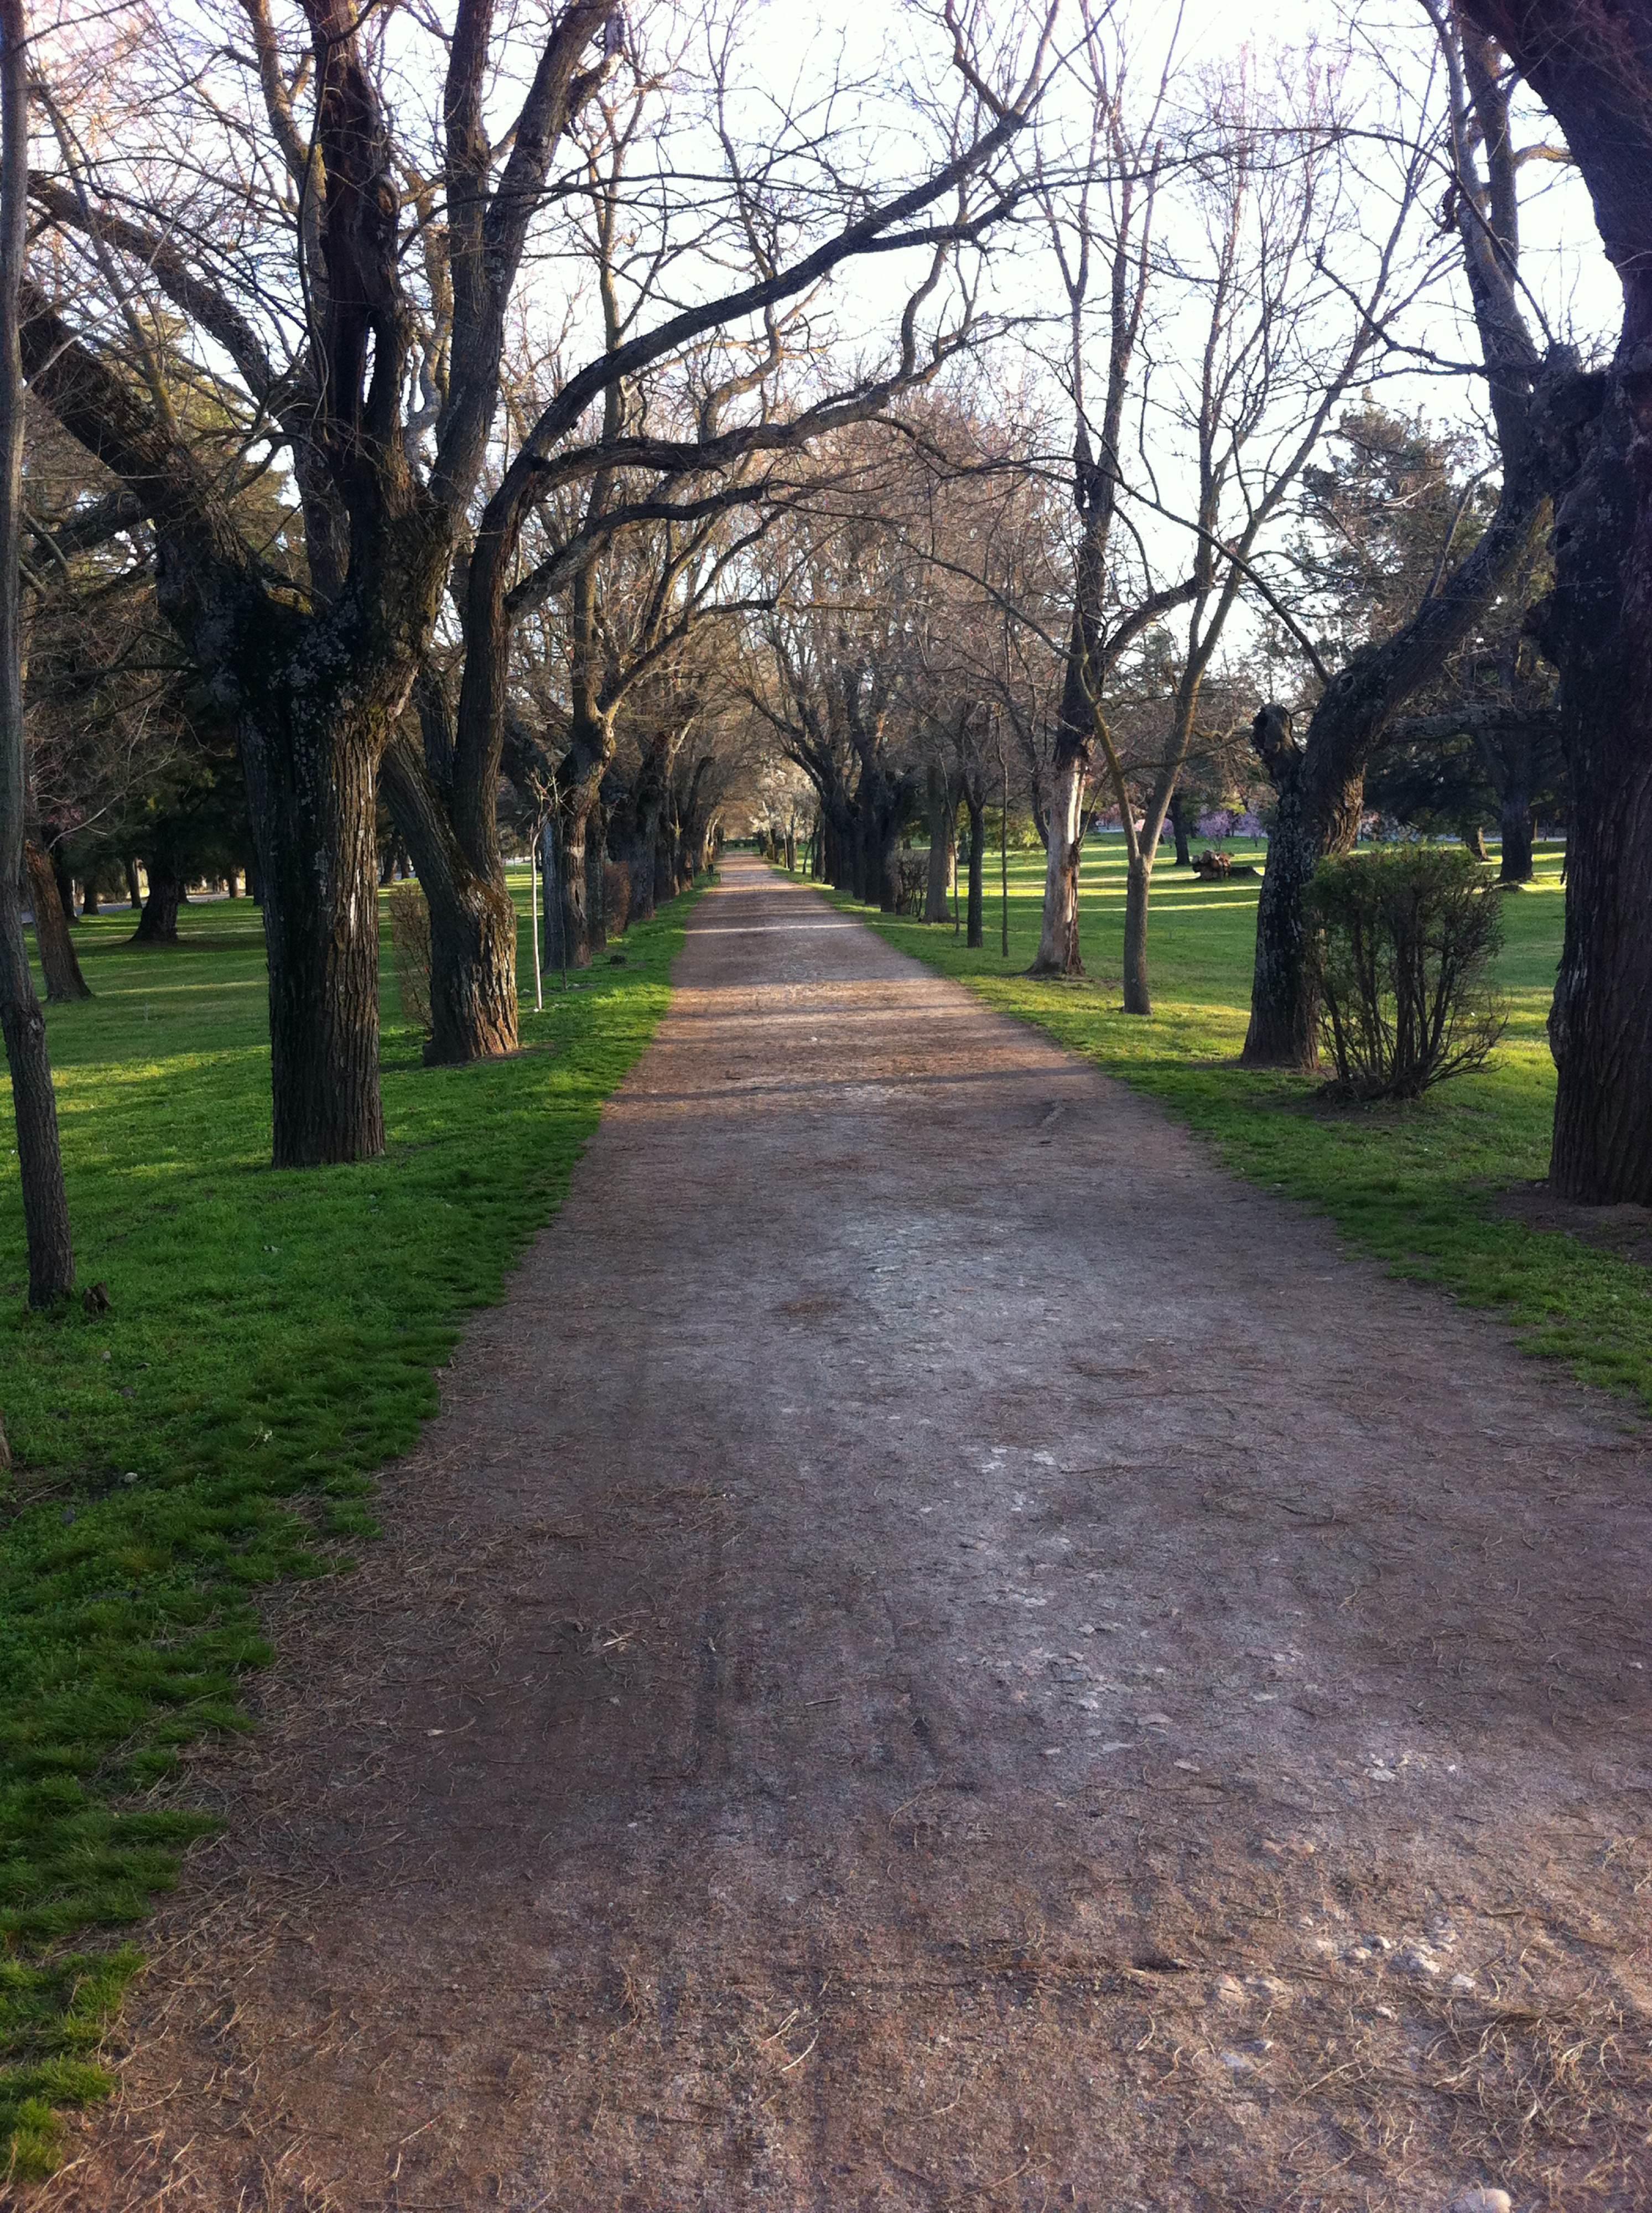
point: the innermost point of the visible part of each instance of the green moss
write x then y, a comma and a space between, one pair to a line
1415, 1186
269, 1342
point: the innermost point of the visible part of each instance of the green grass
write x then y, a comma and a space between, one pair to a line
1415, 1186
270, 1341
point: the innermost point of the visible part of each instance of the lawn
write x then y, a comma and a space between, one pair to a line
270, 1341
1418, 1185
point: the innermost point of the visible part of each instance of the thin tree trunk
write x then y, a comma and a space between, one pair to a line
1179, 826
58, 962
1138, 888
90, 902
1473, 837
39, 1161
975, 924
232, 883
134, 889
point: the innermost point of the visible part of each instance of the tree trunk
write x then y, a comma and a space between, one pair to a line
134, 889
1473, 837
975, 928
232, 883
158, 922
597, 918
1058, 954
1595, 630
39, 1163
1138, 886
574, 939
90, 903
58, 963
1283, 1029
473, 1015
1179, 825
1514, 820
943, 830
1592, 65
63, 876
312, 791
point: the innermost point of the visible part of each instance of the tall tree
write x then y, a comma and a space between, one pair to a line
45, 1204
1320, 781
1591, 64
316, 670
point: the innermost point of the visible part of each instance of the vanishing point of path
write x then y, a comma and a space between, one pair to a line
942, 1653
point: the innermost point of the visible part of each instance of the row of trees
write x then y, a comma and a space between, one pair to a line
473, 428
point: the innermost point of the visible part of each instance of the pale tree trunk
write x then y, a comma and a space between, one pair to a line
59, 963
1058, 954
45, 1203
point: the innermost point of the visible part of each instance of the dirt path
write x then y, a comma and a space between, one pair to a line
941, 1654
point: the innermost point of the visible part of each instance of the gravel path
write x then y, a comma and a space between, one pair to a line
942, 1653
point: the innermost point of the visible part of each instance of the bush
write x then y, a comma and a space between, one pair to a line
410, 941
616, 898
1402, 952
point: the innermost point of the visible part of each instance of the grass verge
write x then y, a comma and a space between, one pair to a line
270, 1340
1417, 1186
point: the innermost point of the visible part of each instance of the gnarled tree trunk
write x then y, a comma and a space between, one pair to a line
473, 1013
312, 792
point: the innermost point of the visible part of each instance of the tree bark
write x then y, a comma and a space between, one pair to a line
39, 1161
1179, 826
473, 1012
1284, 1019
1514, 820
58, 962
89, 901
158, 922
134, 889
975, 926
314, 798
63, 876
1058, 954
943, 830
1138, 886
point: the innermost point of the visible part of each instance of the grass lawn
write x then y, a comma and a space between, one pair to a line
1415, 1186
270, 1340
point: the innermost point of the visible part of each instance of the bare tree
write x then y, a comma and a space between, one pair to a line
1321, 781
1592, 66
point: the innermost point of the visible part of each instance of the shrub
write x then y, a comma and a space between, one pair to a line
410, 941
1402, 952
616, 897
